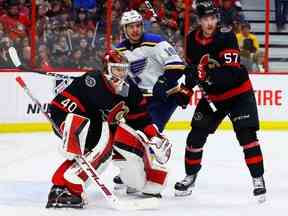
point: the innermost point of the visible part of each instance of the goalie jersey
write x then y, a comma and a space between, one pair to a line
150, 58
91, 96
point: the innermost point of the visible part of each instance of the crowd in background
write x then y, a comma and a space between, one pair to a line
71, 33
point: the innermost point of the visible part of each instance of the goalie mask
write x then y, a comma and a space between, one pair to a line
117, 68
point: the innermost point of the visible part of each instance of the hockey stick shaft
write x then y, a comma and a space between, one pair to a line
89, 169
149, 6
21, 82
94, 35
16, 61
205, 58
211, 104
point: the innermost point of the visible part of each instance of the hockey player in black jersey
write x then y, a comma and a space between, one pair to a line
213, 64
81, 110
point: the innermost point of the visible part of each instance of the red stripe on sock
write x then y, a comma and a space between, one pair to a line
254, 160
192, 162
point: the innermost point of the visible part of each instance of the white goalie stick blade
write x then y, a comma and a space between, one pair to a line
17, 63
141, 204
14, 56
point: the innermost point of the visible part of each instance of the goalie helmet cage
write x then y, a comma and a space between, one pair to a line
108, 27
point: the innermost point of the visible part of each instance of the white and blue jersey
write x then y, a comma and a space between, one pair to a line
150, 58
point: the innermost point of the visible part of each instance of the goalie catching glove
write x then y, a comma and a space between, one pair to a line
161, 148
158, 144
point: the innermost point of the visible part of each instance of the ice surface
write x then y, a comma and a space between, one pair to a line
224, 187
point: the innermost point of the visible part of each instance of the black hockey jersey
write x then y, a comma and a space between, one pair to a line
229, 78
90, 95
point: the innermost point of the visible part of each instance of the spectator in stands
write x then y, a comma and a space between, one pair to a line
54, 9
61, 46
5, 61
59, 59
281, 13
24, 7
259, 65
85, 48
43, 58
42, 22
82, 22
15, 24
229, 13
26, 56
76, 59
248, 44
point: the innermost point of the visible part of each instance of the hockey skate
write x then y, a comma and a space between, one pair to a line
148, 195
184, 187
259, 191
60, 197
121, 188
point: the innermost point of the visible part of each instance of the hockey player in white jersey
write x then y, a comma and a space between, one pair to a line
155, 68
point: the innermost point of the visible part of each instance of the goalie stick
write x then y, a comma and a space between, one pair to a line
114, 202
17, 63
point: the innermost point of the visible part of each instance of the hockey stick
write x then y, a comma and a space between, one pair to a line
94, 35
148, 203
211, 104
149, 6
16, 61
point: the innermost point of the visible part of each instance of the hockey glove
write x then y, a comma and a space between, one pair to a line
183, 96
160, 88
191, 76
202, 67
161, 148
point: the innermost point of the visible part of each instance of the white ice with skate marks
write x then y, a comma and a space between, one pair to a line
223, 187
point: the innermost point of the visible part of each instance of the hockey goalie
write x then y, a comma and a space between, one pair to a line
91, 113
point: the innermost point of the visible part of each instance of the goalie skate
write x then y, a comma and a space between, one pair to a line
60, 197
259, 191
121, 188
184, 187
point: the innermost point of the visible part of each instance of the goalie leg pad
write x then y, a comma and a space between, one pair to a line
58, 178
138, 162
70, 174
99, 158
131, 163
74, 135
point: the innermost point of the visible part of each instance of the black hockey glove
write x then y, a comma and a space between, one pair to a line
191, 76
183, 96
160, 88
